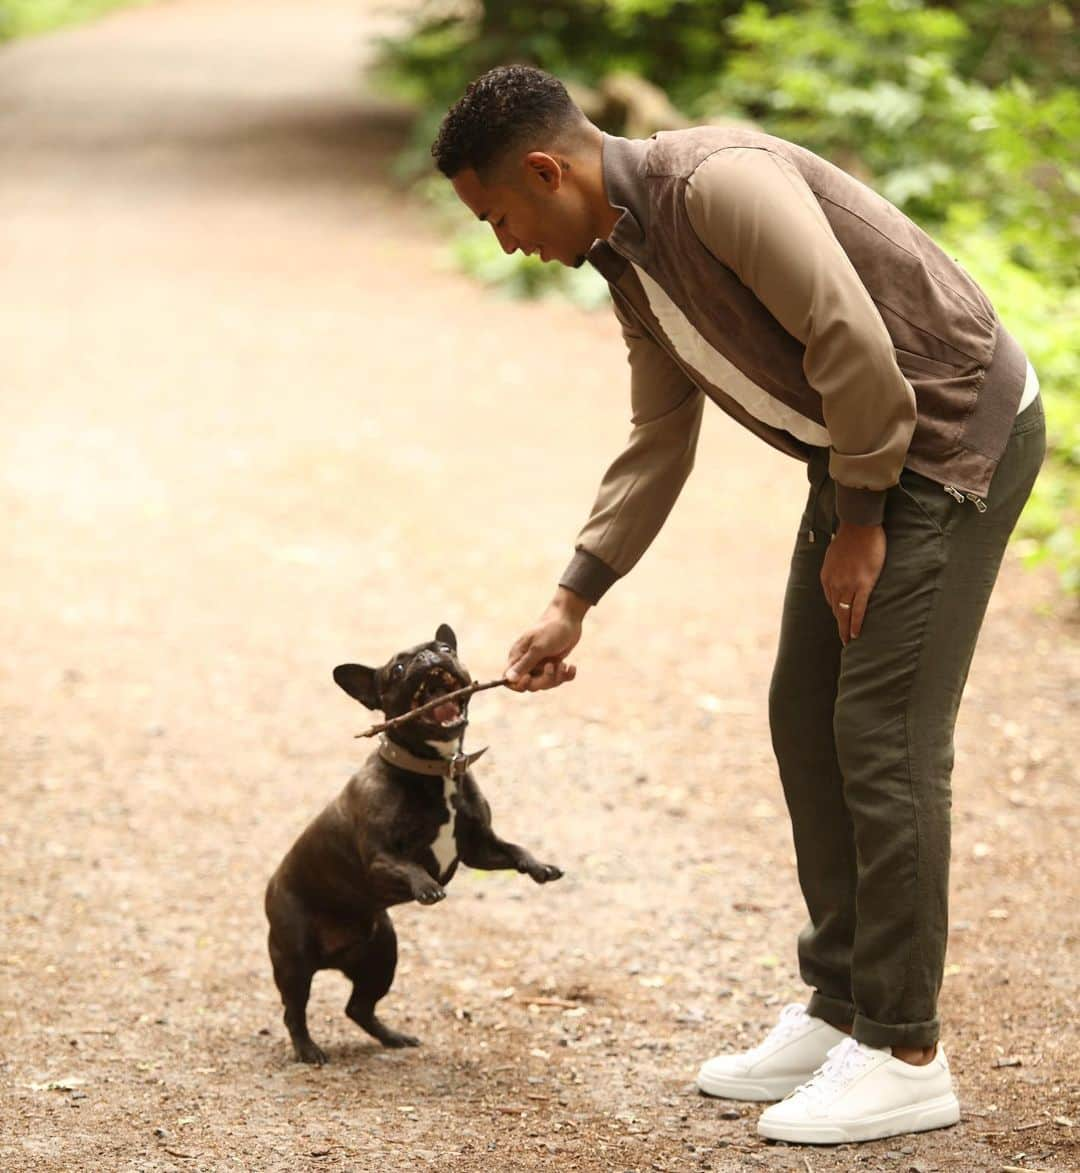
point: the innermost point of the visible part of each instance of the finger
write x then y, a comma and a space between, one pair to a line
522, 664
831, 599
519, 647
544, 675
843, 620
859, 606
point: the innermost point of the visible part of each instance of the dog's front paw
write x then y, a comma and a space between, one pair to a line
544, 873
395, 1038
430, 893
308, 1051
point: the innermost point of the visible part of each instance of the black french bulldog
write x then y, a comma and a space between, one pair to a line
396, 833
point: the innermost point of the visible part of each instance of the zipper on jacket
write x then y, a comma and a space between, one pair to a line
960, 496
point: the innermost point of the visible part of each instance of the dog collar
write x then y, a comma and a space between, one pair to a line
454, 767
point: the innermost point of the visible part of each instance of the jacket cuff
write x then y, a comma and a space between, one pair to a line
588, 576
860, 506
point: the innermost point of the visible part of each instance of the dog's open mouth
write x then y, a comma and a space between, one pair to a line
437, 684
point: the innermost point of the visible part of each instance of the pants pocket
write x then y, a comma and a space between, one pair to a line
927, 498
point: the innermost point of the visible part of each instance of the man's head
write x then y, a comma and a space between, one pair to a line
523, 157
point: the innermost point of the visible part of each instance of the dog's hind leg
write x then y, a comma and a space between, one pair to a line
293, 965
371, 971
293, 980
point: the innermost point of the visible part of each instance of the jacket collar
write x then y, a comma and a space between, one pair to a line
623, 163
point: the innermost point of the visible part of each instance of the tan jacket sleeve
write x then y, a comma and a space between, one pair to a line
756, 214
641, 486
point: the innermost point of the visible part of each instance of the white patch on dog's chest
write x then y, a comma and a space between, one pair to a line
445, 848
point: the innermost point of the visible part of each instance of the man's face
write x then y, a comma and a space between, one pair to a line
530, 207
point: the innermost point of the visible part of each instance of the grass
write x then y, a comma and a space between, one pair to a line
25, 18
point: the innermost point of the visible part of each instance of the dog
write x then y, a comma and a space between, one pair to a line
396, 833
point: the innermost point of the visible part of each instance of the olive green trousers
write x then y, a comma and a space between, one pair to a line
863, 736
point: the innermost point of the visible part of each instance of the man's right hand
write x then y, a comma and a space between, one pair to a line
536, 658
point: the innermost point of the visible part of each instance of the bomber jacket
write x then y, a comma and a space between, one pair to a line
749, 270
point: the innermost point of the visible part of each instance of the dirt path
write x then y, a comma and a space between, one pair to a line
219, 330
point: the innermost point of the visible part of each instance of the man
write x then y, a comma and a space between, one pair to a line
749, 271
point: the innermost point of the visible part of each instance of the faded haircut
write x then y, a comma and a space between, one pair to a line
507, 107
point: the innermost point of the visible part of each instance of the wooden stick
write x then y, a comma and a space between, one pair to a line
439, 700
563, 1003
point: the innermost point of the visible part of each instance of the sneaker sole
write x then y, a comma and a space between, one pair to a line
937, 1113
734, 1087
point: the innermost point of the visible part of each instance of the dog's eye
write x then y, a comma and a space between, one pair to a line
397, 671
444, 647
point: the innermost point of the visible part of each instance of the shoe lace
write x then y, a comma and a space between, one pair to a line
842, 1063
792, 1018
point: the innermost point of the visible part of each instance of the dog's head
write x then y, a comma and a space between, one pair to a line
409, 679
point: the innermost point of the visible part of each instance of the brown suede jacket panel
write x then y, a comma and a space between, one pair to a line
749, 270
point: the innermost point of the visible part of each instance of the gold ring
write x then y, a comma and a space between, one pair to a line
844, 606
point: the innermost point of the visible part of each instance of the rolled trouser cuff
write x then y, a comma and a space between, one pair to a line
896, 1034
835, 1011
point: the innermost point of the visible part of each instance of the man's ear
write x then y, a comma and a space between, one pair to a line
545, 167
445, 635
359, 683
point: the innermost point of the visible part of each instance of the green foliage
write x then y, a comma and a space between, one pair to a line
1044, 316
22, 18
675, 43
875, 85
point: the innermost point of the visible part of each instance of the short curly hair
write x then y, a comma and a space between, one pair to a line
501, 109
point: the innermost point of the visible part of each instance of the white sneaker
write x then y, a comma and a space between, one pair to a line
790, 1053
862, 1093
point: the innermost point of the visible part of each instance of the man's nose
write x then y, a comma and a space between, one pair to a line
510, 243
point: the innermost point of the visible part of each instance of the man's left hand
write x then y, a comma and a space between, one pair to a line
852, 565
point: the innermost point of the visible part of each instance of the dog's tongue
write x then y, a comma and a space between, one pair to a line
447, 711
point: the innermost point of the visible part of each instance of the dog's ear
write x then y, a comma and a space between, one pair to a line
445, 635
359, 683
